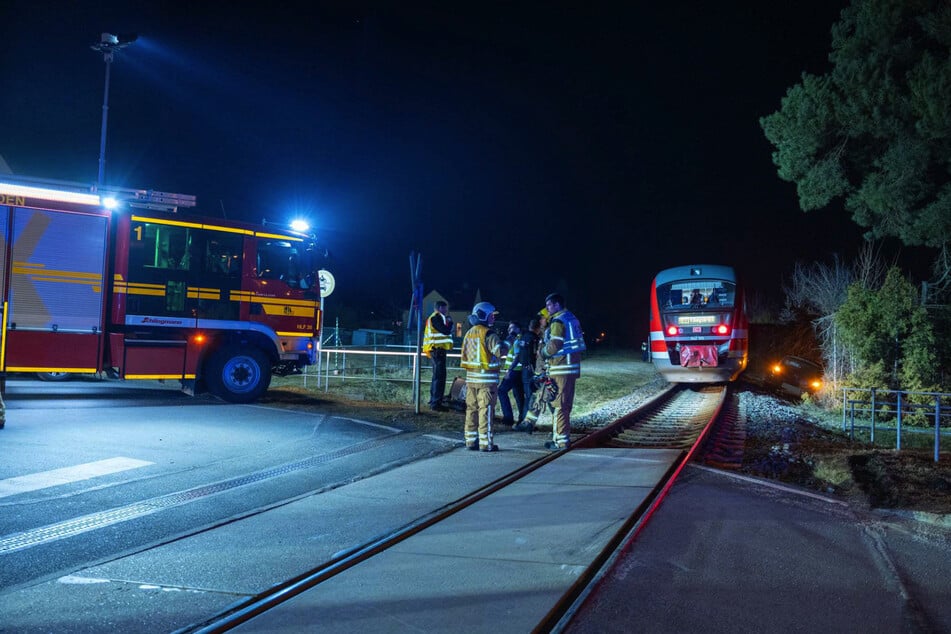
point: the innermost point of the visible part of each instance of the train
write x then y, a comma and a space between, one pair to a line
699, 328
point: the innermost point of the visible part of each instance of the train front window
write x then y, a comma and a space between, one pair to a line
696, 295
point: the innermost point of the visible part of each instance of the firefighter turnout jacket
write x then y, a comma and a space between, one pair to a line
564, 343
438, 332
481, 349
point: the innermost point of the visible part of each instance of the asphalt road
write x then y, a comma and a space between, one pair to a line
95, 470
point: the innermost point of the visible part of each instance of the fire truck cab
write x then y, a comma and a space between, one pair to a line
122, 281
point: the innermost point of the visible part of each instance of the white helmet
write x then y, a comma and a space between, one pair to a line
482, 310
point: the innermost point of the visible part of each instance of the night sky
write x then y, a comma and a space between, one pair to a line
521, 148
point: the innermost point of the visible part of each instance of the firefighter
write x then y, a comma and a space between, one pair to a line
537, 399
437, 342
482, 351
562, 348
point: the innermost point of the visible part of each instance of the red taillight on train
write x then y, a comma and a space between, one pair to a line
671, 330
722, 329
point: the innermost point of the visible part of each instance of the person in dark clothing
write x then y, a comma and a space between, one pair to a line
512, 379
437, 342
528, 351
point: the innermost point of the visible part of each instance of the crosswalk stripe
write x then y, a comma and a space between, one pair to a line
66, 475
69, 528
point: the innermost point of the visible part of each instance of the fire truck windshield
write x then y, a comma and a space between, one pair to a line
291, 262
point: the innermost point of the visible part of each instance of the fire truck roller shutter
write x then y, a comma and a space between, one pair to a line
238, 373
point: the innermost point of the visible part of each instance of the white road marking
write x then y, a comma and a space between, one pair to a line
66, 475
75, 579
769, 484
443, 438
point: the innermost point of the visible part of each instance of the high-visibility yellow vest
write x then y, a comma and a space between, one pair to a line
512, 361
432, 338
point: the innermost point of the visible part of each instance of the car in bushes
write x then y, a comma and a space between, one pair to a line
795, 376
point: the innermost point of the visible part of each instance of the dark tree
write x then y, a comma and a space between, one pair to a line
875, 130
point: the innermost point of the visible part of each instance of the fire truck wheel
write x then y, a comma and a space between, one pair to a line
53, 376
238, 374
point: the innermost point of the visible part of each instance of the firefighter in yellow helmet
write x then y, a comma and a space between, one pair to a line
437, 342
561, 349
482, 353
537, 400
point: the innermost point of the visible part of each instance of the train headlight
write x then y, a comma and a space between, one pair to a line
671, 330
722, 329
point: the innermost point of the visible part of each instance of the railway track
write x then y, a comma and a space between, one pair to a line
674, 423
680, 419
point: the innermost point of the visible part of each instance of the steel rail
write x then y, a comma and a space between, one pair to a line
568, 605
260, 603
274, 596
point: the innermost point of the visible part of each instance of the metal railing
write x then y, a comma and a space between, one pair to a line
339, 365
879, 411
370, 363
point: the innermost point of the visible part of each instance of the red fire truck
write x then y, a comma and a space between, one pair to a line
124, 282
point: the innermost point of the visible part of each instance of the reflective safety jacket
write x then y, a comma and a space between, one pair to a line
438, 332
481, 349
513, 358
564, 343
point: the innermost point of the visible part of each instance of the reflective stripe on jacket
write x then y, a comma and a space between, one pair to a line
432, 338
513, 358
480, 355
565, 343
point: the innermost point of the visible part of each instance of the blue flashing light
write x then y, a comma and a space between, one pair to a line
110, 203
300, 225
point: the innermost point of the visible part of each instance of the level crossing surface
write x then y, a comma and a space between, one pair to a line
503, 562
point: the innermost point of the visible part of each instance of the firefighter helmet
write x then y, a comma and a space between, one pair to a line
482, 310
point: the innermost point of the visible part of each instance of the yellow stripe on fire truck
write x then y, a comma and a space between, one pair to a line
160, 376
40, 273
195, 225
140, 288
281, 301
247, 296
195, 292
287, 311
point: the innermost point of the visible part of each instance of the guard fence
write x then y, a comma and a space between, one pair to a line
340, 366
899, 412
